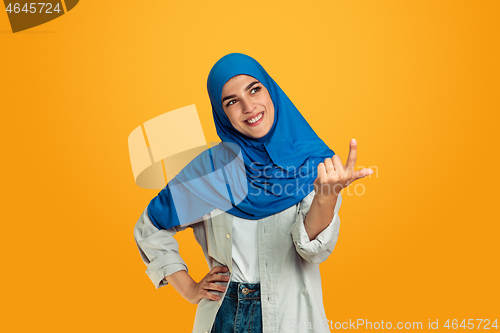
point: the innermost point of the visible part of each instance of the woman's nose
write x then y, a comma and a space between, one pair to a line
247, 105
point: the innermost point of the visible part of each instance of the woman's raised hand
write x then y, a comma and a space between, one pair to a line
333, 176
197, 291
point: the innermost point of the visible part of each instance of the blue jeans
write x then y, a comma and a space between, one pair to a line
240, 311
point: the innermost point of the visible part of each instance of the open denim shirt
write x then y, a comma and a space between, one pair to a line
291, 292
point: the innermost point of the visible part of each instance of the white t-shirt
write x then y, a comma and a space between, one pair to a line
245, 251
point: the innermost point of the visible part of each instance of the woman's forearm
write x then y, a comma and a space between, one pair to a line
320, 214
182, 283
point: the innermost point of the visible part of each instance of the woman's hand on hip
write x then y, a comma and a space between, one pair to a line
197, 291
333, 176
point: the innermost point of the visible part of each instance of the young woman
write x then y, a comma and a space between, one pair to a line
263, 205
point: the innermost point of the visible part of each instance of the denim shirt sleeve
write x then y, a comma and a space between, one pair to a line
159, 250
317, 250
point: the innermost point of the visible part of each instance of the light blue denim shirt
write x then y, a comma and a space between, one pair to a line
291, 293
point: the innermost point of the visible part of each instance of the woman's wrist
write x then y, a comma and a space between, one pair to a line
326, 201
183, 283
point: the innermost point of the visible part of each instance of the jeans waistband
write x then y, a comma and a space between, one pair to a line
243, 290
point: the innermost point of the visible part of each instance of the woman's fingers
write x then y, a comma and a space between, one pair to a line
215, 286
219, 269
219, 277
330, 170
223, 277
337, 162
362, 173
353, 154
211, 296
333, 175
321, 170
208, 282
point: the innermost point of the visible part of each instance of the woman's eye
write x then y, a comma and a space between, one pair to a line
253, 91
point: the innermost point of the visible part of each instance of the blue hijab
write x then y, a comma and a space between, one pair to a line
245, 177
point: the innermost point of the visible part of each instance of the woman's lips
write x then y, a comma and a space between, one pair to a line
257, 123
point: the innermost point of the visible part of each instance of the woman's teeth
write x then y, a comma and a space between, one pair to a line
251, 121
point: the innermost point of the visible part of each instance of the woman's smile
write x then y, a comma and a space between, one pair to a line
248, 105
255, 121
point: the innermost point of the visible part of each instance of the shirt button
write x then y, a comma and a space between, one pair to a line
227, 236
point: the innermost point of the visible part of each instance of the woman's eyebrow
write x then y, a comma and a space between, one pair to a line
246, 88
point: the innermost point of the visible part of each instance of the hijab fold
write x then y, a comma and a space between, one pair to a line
245, 177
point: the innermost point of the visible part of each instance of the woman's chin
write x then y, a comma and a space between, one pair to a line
257, 134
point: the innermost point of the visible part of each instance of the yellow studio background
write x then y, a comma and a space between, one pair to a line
415, 82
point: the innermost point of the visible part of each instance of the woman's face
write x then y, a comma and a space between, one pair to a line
248, 106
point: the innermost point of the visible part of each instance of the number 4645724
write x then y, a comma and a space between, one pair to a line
470, 324
33, 8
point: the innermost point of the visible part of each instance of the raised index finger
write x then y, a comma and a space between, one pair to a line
351, 159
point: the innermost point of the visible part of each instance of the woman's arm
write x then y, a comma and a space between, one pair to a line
160, 252
318, 249
159, 249
333, 176
320, 215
